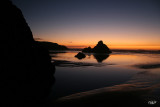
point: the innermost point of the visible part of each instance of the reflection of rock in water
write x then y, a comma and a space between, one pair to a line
89, 54
100, 57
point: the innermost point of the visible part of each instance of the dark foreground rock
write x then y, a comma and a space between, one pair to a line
26, 71
80, 55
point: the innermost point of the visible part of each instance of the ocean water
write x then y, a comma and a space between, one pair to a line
100, 70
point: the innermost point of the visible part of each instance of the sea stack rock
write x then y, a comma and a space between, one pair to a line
80, 55
101, 48
26, 71
87, 50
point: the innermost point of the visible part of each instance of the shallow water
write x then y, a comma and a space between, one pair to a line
100, 70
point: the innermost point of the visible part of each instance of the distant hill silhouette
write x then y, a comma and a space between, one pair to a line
99, 48
52, 46
26, 71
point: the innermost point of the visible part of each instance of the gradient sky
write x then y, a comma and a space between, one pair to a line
81, 23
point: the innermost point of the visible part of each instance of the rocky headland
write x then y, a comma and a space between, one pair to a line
26, 71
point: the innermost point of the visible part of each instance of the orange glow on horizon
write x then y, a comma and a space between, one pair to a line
125, 46
119, 47
113, 39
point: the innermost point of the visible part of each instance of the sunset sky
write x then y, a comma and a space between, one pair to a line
121, 24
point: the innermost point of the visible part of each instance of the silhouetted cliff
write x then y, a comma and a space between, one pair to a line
26, 71
52, 46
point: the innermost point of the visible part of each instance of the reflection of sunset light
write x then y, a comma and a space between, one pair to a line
132, 59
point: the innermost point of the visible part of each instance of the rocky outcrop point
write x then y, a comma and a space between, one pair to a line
99, 48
